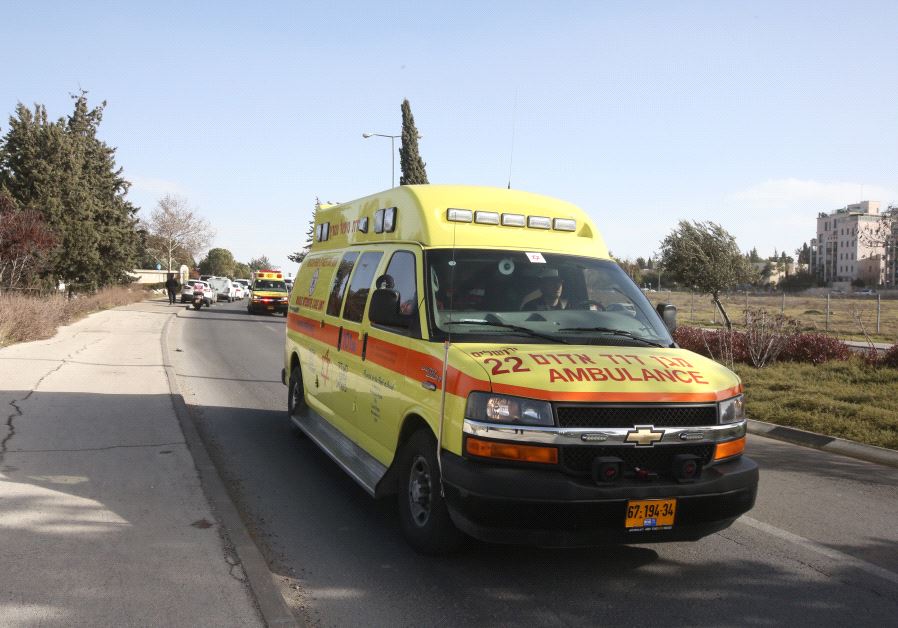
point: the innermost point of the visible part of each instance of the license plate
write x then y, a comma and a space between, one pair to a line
270, 307
650, 514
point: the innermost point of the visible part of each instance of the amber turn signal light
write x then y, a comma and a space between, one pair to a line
509, 451
729, 449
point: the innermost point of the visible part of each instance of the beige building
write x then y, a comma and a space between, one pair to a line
844, 249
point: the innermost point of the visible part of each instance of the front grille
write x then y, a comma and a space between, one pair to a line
578, 460
628, 416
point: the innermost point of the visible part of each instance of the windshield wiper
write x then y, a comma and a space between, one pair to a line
615, 332
517, 328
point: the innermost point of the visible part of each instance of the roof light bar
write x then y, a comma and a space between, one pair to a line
459, 215
513, 220
565, 224
486, 218
539, 222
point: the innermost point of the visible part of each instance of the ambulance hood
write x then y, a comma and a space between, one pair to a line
603, 374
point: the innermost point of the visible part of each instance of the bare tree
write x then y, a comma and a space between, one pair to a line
25, 242
173, 225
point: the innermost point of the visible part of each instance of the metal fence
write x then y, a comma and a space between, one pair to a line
848, 315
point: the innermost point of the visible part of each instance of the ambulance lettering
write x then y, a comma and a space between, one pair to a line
620, 374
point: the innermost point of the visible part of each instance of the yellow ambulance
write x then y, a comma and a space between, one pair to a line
477, 353
268, 293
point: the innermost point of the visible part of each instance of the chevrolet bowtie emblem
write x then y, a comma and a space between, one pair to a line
644, 435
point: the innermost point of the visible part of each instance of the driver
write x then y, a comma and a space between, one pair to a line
551, 288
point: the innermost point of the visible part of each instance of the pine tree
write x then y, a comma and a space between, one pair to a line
64, 171
411, 165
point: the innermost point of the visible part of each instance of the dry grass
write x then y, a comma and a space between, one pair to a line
846, 399
24, 318
849, 317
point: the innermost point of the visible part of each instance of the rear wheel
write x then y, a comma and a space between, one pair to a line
423, 513
296, 400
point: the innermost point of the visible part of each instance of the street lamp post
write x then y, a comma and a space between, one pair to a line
392, 153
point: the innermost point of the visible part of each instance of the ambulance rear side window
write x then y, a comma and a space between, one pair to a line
341, 279
361, 284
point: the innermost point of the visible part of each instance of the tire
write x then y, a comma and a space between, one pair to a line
423, 513
296, 401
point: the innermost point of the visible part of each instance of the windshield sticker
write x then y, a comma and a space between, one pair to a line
536, 258
506, 266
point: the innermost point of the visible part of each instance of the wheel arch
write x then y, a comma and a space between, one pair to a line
411, 424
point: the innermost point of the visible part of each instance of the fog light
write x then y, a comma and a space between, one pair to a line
686, 467
606, 469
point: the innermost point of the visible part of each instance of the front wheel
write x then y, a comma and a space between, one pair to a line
423, 513
197, 305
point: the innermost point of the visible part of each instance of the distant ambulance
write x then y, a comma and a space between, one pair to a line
477, 353
268, 293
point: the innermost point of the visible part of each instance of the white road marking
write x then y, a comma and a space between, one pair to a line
813, 546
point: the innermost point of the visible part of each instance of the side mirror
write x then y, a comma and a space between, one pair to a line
668, 314
384, 309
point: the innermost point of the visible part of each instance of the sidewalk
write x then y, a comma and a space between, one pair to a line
103, 521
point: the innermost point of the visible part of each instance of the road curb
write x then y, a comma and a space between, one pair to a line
272, 606
831, 444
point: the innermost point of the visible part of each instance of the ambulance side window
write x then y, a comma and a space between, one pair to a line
402, 275
341, 278
360, 286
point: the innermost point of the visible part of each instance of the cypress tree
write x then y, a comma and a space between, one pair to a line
410, 162
300, 255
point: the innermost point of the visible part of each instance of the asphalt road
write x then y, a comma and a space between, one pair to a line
820, 548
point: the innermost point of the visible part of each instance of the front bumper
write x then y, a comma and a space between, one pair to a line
262, 306
508, 504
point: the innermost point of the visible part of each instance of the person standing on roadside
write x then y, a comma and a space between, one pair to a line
171, 286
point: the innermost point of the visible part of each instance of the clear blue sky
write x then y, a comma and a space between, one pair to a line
756, 115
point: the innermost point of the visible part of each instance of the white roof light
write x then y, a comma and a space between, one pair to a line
513, 220
390, 219
459, 215
486, 218
379, 221
565, 224
539, 222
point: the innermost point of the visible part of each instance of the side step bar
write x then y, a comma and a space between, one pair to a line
359, 464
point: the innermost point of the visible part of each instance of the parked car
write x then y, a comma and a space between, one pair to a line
239, 290
223, 287
247, 286
866, 292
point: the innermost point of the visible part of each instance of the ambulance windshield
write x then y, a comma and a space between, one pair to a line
271, 285
531, 296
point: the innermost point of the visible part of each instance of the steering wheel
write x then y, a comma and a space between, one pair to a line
590, 304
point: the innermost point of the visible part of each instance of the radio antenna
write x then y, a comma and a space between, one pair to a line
514, 119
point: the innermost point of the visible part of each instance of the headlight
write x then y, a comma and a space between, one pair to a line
732, 410
509, 410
